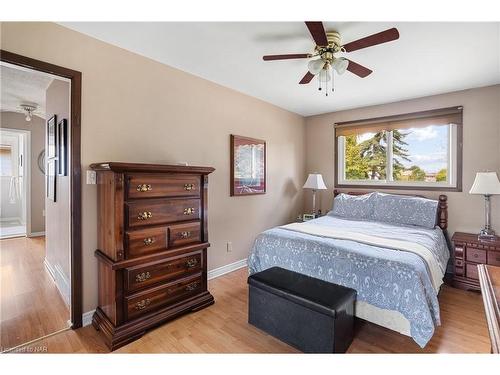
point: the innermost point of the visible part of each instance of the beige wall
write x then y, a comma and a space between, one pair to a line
57, 236
138, 110
36, 127
481, 149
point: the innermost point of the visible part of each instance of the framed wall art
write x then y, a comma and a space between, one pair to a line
51, 137
248, 166
62, 148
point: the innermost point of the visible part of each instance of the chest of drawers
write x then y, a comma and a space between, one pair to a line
468, 253
152, 246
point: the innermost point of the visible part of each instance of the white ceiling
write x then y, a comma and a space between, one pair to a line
429, 58
22, 86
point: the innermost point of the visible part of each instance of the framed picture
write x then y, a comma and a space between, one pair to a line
51, 179
51, 137
62, 149
248, 166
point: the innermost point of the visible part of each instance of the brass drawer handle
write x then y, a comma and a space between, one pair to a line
192, 286
144, 187
185, 235
191, 263
141, 305
145, 215
149, 241
141, 277
189, 211
189, 187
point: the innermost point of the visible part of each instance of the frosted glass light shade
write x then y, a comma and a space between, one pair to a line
324, 75
340, 65
315, 181
315, 66
486, 183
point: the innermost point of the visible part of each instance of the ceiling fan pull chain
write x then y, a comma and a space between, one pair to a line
326, 83
333, 80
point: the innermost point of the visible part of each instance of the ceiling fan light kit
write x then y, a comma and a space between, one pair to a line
327, 45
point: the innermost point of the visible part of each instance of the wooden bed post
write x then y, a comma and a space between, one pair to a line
443, 212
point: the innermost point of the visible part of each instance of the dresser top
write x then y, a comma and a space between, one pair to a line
151, 168
469, 237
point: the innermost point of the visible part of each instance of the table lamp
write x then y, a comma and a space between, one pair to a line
315, 182
487, 184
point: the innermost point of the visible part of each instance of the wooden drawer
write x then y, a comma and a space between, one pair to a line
471, 271
183, 234
494, 258
475, 255
161, 211
150, 185
155, 298
145, 241
152, 273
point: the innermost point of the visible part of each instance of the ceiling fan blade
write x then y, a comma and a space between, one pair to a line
286, 57
373, 40
307, 78
318, 32
357, 69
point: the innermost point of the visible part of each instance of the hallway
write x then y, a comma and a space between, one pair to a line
30, 305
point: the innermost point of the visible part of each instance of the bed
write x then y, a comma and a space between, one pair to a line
396, 267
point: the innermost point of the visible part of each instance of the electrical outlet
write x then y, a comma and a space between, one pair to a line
43, 213
91, 178
229, 247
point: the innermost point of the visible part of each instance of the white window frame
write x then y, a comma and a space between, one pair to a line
453, 165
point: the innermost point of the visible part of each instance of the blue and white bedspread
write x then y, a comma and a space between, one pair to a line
384, 277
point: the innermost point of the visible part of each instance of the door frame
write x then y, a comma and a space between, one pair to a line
75, 174
26, 174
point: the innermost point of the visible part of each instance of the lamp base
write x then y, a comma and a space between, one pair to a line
487, 234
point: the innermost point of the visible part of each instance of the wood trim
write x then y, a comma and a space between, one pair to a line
75, 177
404, 116
151, 168
231, 167
491, 307
457, 188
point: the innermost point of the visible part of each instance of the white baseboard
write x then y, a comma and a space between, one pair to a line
87, 316
36, 234
226, 269
62, 283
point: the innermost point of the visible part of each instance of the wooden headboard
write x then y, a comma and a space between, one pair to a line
442, 213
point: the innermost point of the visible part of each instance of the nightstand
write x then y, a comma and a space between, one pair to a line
468, 252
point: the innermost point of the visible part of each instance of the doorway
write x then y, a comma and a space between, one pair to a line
40, 251
14, 182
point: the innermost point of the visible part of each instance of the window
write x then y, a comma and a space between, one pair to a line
417, 151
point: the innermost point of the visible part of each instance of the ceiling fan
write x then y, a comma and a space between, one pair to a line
327, 45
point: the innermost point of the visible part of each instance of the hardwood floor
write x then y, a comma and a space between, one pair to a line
30, 304
223, 328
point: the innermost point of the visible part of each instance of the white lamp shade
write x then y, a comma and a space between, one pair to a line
486, 183
324, 75
340, 65
315, 66
315, 181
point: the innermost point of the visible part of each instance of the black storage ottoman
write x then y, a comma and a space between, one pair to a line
309, 314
